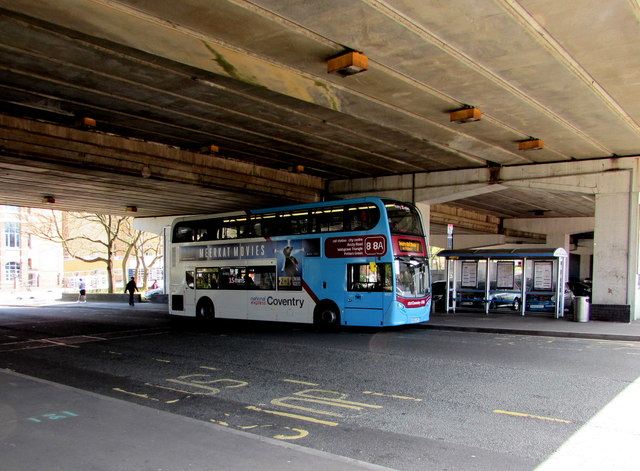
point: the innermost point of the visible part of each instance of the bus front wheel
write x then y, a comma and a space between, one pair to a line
326, 316
205, 309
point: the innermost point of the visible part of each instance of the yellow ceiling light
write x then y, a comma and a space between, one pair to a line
468, 114
349, 63
210, 149
531, 144
88, 123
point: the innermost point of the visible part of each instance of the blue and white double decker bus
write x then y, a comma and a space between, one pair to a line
358, 262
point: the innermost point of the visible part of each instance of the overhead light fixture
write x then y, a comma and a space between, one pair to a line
349, 63
131, 209
297, 169
210, 149
531, 144
87, 123
468, 114
48, 199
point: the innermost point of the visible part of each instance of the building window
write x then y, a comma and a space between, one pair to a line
11, 271
11, 209
12, 234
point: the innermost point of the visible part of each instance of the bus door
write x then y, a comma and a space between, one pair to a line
189, 290
365, 296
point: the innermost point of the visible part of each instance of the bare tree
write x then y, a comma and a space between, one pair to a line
144, 246
91, 238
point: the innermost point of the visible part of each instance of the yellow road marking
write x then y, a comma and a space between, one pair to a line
294, 416
530, 416
281, 402
219, 422
393, 396
209, 368
169, 389
162, 361
300, 382
144, 396
301, 434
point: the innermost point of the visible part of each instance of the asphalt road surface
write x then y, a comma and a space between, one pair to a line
406, 398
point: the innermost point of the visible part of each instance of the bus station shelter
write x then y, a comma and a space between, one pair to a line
521, 280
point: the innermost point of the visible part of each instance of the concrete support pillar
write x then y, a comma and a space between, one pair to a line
615, 254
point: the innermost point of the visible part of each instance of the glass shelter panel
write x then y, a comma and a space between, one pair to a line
522, 280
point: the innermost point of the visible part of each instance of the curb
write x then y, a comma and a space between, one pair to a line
539, 333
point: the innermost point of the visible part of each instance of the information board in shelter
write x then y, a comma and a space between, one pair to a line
469, 275
505, 275
542, 275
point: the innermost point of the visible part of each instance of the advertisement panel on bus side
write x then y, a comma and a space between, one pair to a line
247, 250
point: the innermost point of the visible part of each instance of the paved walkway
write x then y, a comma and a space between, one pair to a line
534, 324
49, 426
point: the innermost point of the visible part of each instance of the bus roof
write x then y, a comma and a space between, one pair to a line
292, 207
321, 204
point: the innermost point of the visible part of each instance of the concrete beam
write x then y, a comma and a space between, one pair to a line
45, 151
551, 225
589, 177
463, 218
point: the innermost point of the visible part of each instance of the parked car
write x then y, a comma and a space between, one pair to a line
153, 294
505, 299
580, 288
547, 302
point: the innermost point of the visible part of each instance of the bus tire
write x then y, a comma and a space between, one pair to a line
326, 316
205, 309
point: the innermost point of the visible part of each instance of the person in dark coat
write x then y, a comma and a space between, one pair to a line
131, 288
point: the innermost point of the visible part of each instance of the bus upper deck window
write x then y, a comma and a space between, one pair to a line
183, 233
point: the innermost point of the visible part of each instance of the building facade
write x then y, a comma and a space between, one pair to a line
26, 262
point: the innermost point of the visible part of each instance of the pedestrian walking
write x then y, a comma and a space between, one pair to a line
82, 296
131, 288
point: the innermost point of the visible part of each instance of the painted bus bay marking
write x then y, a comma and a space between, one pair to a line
293, 416
324, 397
300, 433
394, 396
300, 382
206, 384
530, 416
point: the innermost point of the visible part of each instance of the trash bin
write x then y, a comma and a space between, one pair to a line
582, 309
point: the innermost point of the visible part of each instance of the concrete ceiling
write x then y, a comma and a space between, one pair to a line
251, 78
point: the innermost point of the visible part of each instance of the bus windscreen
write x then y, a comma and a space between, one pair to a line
403, 218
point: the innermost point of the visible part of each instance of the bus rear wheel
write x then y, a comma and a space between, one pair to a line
326, 316
205, 309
